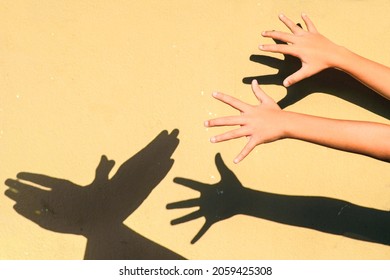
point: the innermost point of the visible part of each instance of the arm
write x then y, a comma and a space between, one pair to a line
368, 138
374, 75
324, 214
317, 53
118, 242
229, 197
266, 122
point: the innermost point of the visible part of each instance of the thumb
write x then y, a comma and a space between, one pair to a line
296, 77
246, 150
260, 94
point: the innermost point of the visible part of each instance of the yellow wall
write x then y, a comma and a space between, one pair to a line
80, 79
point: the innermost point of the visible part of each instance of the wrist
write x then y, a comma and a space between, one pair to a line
286, 127
248, 202
341, 58
296, 125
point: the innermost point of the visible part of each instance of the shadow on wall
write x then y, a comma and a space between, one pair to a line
227, 198
330, 81
97, 211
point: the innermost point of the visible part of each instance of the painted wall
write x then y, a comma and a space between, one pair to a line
82, 79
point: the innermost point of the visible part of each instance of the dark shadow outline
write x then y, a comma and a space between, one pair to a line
229, 197
97, 211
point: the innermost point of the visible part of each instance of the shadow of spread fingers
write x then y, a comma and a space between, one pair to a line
192, 216
267, 60
264, 80
201, 232
184, 204
194, 185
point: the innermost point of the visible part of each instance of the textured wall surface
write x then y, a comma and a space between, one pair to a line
82, 79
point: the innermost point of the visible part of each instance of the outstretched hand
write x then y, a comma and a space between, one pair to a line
329, 81
262, 123
315, 51
62, 206
217, 202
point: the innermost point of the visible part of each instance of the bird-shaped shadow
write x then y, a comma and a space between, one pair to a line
98, 210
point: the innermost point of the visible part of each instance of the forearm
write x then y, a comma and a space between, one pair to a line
319, 213
119, 242
372, 74
368, 138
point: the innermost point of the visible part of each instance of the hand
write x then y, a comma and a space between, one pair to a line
62, 206
262, 123
315, 51
329, 81
216, 202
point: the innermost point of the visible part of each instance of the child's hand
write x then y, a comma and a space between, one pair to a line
262, 123
315, 51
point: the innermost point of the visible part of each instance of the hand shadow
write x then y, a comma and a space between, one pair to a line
97, 211
228, 198
329, 81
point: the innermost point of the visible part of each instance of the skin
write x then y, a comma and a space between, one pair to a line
265, 122
317, 53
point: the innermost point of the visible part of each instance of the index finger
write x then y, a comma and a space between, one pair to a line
290, 24
230, 100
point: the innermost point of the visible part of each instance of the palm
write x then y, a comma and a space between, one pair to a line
216, 202
287, 66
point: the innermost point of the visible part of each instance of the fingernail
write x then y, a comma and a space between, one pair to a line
263, 33
286, 83
304, 14
236, 160
261, 47
206, 123
281, 15
255, 82
213, 140
215, 94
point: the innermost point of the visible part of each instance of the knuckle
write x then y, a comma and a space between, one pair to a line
277, 34
235, 133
